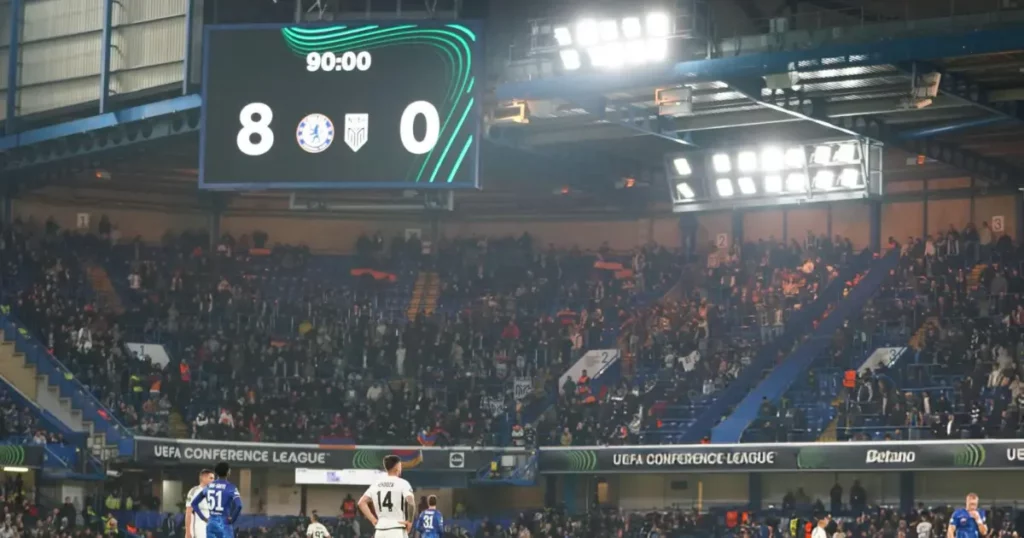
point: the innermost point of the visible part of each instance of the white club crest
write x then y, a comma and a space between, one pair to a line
357, 128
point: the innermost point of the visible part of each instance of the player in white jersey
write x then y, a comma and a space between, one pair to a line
316, 529
392, 500
195, 527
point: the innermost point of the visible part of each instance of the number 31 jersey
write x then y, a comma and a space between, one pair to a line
388, 497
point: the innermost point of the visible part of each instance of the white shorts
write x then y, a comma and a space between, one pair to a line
198, 528
389, 533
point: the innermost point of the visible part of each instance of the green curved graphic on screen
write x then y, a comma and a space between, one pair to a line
970, 456
12, 455
366, 459
582, 460
450, 41
812, 458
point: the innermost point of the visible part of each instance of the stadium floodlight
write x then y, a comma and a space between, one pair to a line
849, 178
612, 42
658, 24
657, 50
682, 166
563, 36
795, 157
747, 185
609, 55
796, 182
772, 159
724, 187
822, 154
587, 33
847, 153
631, 28
721, 163
685, 191
773, 172
570, 59
636, 52
746, 161
608, 29
824, 180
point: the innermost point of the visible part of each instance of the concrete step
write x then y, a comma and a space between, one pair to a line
16, 370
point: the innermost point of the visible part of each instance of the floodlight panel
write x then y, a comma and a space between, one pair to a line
682, 166
724, 186
631, 28
587, 33
747, 186
563, 36
658, 25
570, 59
608, 30
722, 163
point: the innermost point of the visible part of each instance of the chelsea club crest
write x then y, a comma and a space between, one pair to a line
315, 133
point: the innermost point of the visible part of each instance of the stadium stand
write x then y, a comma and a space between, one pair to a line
616, 269
340, 341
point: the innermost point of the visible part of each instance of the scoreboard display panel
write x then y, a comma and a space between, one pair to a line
366, 106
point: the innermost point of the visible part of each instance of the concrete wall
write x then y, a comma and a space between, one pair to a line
323, 233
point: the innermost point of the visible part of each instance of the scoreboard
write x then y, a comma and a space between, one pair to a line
365, 106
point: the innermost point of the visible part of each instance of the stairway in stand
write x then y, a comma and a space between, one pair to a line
177, 427
107, 299
974, 279
425, 294
916, 342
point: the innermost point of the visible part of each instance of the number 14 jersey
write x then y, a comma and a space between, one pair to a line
388, 497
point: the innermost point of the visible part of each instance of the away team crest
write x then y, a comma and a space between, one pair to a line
357, 128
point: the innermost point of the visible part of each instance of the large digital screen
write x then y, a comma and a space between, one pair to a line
389, 105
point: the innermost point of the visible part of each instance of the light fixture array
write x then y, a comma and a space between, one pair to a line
613, 43
769, 171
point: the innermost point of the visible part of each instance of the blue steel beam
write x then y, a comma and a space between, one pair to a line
105, 42
887, 52
93, 142
102, 121
12, 66
963, 87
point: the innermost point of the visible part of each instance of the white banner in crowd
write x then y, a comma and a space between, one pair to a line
156, 352
595, 362
496, 405
522, 388
883, 356
690, 361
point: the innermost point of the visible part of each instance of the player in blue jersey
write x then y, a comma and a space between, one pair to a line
221, 501
430, 524
968, 522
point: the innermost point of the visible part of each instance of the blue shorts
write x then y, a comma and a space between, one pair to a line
218, 528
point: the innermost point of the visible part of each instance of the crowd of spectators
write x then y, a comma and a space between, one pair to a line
954, 299
254, 331
686, 347
20, 423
